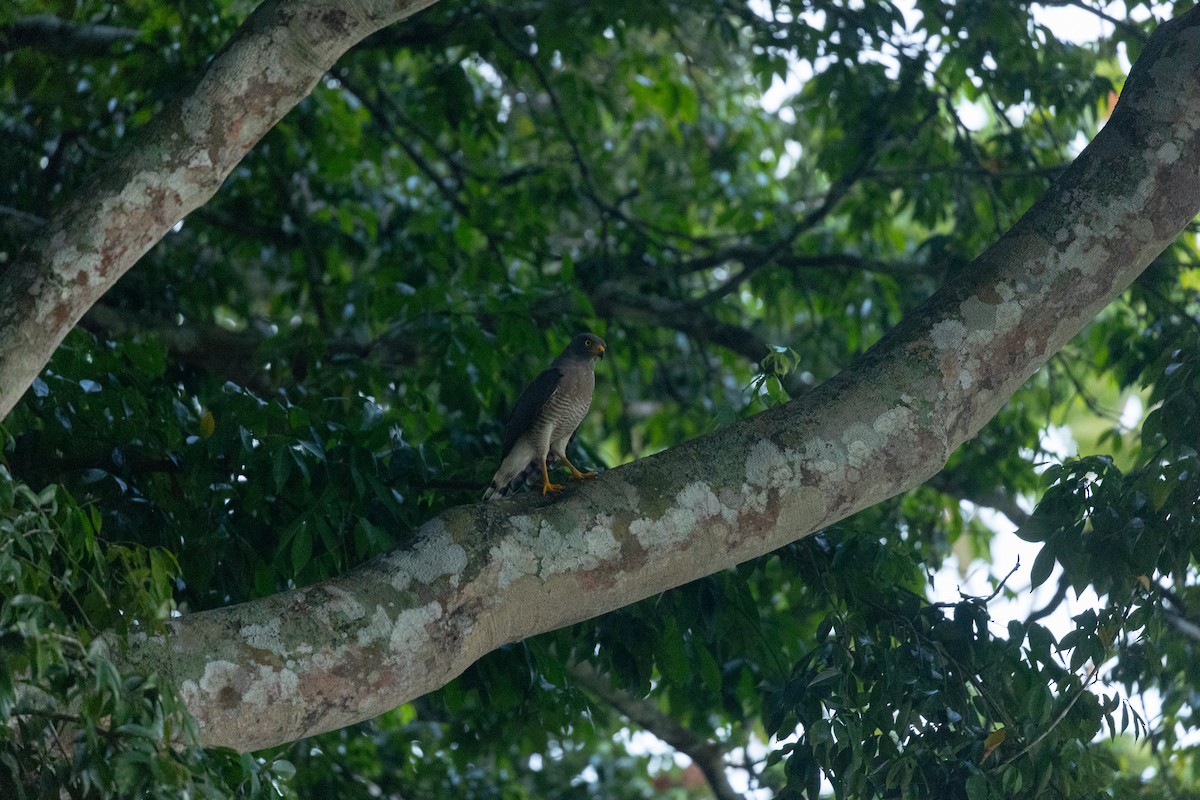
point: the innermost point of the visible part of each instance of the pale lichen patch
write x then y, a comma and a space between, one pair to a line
435, 555
1009, 312
217, 675
894, 420
259, 685
862, 441
949, 334
538, 548
513, 555
323, 661
271, 686
858, 452
264, 636
734, 502
580, 550
767, 466
377, 630
600, 536
824, 457
694, 504
409, 636
1168, 153
753, 499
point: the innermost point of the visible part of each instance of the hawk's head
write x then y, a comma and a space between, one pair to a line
586, 345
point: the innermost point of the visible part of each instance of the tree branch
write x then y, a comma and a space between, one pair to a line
234, 355
63, 37
708, 757
171, 168
754, 256
996, 499
1123, 24
611, 301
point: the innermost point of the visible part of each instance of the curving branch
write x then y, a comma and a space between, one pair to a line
171, 168
997, 499
1125, 25
321, 657
236, 355
709, 757
476, 577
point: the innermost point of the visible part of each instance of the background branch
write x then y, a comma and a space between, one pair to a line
708, 756
63, 37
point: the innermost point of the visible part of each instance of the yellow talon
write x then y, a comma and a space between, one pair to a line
575, 473
547, 486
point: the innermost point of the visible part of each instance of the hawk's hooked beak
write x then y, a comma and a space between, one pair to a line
600, 347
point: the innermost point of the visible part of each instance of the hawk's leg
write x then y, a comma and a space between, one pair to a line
547, 486
576, 474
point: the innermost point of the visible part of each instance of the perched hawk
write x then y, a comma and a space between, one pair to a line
546, 416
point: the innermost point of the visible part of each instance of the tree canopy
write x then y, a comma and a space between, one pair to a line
302, 388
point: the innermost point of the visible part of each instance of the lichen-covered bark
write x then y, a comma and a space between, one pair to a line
322, 657
170, 169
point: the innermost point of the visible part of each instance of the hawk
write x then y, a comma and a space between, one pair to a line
546, 416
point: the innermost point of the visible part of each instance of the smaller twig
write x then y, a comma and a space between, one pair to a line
999, 587
1095, 673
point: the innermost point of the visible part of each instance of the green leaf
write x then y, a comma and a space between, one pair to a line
1043, 565
301, 551
710, 671
977, 787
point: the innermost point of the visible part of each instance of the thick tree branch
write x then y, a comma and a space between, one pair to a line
324, 656
708, 757
171, 168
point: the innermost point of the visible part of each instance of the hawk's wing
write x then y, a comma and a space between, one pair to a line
529, 405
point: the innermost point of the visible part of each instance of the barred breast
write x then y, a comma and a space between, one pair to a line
566, 408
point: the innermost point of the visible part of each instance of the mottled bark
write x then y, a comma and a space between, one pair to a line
319, 658
169, 169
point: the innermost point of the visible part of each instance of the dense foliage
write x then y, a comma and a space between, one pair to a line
322, 358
